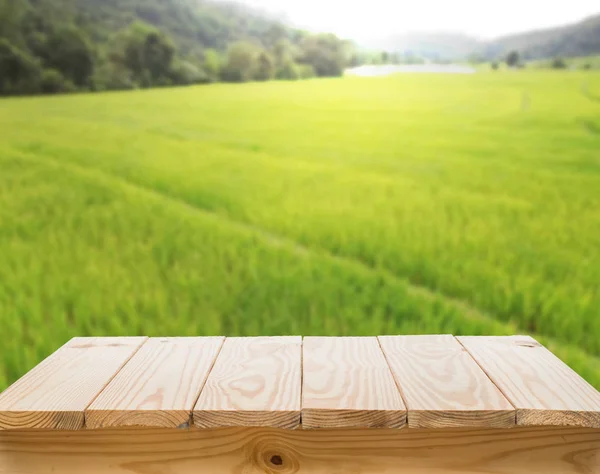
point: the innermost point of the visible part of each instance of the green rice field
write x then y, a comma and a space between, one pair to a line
357, 206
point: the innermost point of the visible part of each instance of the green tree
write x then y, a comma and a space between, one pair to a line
512, 59
326, 53
212, 65
185, 73
158, 53
147, 52
12, 13
375, 59
396, 58
37, 43
283, 53
19, 72
288, 72
68, 51
53, 82
241, 62
306, 71
112, 76
274, 34
265, 68
559, 63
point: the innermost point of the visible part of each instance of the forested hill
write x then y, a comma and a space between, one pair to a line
579, 39
193, 25
58, 45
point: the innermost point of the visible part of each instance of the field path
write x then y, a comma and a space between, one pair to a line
271, 238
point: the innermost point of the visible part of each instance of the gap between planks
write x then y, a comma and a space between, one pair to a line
543, 389
442, 386
455, 367
158, 386
55, 393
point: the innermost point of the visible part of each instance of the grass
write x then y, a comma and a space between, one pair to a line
355, 206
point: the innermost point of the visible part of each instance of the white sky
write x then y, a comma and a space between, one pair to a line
372, 19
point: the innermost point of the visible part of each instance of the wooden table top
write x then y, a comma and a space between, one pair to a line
295, 383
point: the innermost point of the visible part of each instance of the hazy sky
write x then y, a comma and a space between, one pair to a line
372, 19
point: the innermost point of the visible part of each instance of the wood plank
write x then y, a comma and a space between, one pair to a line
255, 381
55, 393
347, 383
546, 450
159, 386
544, 390
442, 386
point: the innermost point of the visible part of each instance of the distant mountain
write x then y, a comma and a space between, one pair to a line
430, 45
579, 39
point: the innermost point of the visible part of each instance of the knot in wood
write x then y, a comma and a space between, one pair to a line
273, 456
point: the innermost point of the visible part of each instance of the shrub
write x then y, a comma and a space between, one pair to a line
241, 62
558, 63
325, 52
144, 79
162, 82
53, 82
289, 71
112, 76
212, 65
495, 66
184, 73
513, 58
264, 67
306, 71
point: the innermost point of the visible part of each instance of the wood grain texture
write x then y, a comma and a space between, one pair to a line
159, 385
544, 390
347, 384
55, 393
442, 386
548, 450
255, 382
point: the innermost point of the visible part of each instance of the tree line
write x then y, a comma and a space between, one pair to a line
70, 45
514, 60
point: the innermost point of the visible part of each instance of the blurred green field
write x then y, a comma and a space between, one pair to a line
355, 206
